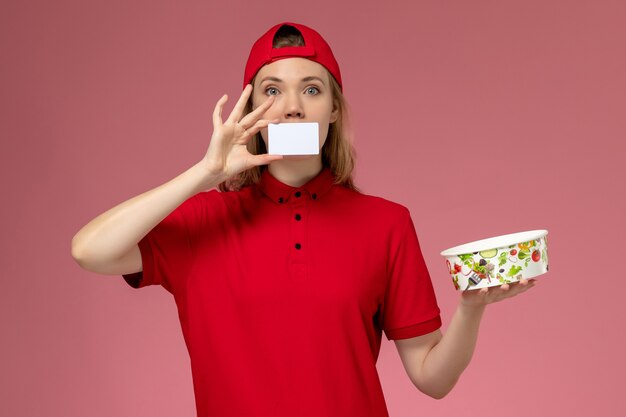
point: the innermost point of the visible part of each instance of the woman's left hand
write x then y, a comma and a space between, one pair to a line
490, 295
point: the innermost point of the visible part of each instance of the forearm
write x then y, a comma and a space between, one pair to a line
113, 233
449, 358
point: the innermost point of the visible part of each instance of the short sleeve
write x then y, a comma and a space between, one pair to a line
410, 307
166, 251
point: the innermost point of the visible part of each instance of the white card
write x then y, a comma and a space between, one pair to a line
293, 138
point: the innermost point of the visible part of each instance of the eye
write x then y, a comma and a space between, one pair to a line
314, 88
270, 88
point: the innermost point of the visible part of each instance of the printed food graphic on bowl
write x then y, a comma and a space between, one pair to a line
499, 266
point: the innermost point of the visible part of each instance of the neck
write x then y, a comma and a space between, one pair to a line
296, 170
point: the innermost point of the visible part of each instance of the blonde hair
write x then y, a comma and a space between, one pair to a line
338, 153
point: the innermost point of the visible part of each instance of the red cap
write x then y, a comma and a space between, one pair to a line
316, 49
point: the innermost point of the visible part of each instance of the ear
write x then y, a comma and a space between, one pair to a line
334, 115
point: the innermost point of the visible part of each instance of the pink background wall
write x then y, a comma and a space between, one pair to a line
483, 117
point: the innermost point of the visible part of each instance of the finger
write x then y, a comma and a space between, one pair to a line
265, 159
247, 134
258, 112
241, 103
260, 125
520, 288
217, 112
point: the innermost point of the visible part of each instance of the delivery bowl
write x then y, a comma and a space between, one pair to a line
498, 260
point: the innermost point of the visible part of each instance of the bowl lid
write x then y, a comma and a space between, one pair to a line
495, 242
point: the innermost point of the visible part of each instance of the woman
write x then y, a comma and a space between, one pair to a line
286, 278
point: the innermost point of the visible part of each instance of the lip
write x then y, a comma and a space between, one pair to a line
496, 242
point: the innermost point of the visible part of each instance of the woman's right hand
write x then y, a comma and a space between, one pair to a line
227, 154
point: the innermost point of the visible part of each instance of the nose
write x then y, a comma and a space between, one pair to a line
293, 107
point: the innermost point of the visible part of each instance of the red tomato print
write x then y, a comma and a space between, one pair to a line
536, 256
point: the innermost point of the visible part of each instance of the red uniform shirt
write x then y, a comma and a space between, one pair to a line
283, 294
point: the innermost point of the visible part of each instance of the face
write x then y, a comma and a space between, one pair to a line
303, 94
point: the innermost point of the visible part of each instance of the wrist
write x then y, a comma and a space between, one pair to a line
472, 308
207, 178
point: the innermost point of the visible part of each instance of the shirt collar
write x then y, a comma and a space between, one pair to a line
280, 192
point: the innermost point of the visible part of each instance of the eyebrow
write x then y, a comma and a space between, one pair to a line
304, 80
